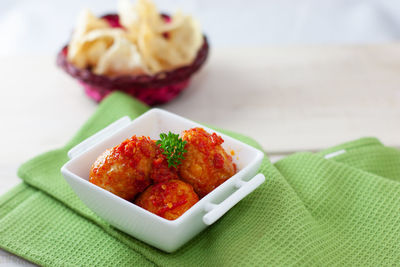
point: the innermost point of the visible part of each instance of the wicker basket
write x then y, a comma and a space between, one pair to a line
151, 89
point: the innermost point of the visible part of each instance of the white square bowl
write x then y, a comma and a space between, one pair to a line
161, 233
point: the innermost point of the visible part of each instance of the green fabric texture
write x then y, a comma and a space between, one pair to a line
311, 211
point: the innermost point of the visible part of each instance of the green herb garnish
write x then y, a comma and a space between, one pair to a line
173, 148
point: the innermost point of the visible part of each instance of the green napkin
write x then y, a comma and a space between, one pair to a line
310, 211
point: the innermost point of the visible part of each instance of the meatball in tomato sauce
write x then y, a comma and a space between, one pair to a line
169, 199
125, 169
206, 164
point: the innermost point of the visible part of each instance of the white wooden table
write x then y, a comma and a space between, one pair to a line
288, 98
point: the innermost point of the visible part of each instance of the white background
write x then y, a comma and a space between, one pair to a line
43, 26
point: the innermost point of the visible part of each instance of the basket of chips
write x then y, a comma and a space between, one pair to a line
139, 51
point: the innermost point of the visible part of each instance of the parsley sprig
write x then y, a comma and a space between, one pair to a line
173, 148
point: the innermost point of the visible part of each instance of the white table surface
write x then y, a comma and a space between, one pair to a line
290, 99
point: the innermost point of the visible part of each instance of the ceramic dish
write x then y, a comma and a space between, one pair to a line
161, 233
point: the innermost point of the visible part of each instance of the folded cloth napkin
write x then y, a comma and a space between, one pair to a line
337, 207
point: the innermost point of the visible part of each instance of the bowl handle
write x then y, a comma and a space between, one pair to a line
98, 137
215, 211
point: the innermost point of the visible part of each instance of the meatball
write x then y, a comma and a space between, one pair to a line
160, 171
206, 164
169, 199
125, 169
